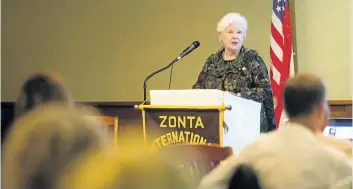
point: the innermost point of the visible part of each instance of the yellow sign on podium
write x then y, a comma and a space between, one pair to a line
165, 125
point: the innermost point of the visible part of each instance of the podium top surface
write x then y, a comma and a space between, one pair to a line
185, 97
188, 91
195, 97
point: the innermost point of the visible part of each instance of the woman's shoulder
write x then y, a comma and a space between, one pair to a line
250, 57
249, 52
215, 57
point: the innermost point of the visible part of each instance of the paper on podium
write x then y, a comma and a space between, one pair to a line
243, 119
187, 97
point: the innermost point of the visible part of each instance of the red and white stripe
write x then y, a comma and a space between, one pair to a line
282, 63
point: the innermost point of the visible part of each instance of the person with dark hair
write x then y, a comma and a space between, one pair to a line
291, 157
244, 177
305, 96
305, 102
40, 89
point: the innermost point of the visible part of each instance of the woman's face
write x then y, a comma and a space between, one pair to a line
233, 37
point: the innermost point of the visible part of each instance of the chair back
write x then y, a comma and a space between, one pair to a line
195, 160
112, 123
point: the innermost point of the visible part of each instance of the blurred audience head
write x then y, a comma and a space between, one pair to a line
132, 166
244, 177
39, 89
47, 141
305, 101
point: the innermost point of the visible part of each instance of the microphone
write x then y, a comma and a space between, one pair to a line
189, 49
186, 51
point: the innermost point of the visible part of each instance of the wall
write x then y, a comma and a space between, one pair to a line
324, 43
351, 49
104, 49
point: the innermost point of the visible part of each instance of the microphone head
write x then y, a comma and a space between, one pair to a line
196, 44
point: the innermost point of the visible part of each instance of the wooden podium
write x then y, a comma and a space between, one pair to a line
198, 117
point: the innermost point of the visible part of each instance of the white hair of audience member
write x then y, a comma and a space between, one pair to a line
230, 18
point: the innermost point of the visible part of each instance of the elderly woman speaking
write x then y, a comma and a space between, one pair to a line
239, 70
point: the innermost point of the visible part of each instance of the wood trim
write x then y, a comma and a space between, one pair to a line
341, 108
132, 103
340, 102
130, 117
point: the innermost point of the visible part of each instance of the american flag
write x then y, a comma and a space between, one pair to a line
281, 52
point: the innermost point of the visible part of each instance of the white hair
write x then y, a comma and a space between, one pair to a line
232, 18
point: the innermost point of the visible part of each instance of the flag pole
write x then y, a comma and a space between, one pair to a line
293, 30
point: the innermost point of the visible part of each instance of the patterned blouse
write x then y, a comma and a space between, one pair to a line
246, 74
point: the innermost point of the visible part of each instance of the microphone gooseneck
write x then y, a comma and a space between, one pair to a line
188, 50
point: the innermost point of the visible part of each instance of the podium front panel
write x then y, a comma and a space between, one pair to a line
163, 127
